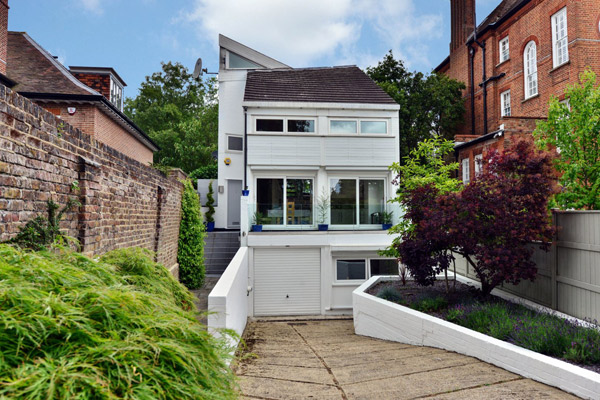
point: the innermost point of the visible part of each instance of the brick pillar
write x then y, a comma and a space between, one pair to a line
462, 22
3, 35
88, 222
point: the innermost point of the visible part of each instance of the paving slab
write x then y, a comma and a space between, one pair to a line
324, 359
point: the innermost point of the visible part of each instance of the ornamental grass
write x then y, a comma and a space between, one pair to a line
117, 328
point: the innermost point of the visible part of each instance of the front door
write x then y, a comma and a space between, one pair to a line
234, 192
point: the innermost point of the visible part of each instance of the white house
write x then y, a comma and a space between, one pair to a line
292, 138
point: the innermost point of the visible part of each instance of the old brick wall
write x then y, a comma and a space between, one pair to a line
124, 202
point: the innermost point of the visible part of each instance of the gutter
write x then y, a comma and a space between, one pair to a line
483, 138
95, 98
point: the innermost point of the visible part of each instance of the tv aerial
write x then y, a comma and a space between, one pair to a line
199, 71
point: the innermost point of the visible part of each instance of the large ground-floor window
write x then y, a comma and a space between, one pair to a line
285, 201
360, 269
355, 201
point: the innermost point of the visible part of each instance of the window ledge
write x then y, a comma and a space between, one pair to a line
531, 98
502, 62
560, 66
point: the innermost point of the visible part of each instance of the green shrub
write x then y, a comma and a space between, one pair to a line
190, 253
210, 201
209, 171
71, 327
429, 304
390, 294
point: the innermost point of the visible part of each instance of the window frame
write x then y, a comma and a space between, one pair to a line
285, 124
530, 69
228, 65
503, 108
501, 52
356, 199
116, 93
563, 41
227, 136
284, 224
478, 162
359, 122
354, 282
466, 176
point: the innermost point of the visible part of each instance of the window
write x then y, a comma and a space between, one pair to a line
340, 126
277, 125
285, 201
505, 104
560, 43
116, 94
478, 164
356, 269
465, 171
237, 62
269, 125
504, 52
530, 67
235, 143
353, 200
373, 127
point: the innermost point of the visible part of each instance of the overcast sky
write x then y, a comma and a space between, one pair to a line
134, 36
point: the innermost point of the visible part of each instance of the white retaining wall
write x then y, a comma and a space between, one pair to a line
228, 301
378, 318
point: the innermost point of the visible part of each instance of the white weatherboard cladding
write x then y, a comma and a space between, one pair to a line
360, 151
276, 150
287, 281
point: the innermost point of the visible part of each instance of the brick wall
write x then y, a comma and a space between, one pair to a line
98, 82
92, 121
3, 35
124, 202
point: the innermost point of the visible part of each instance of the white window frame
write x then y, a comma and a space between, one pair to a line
478, 164
560, 41
354, 282
227, 66
465, 171
343, 119
116, 93
530, 70
227, 136
387, 125
358, 126
285, 225
357, 199
505, 108
285, 124
504, 52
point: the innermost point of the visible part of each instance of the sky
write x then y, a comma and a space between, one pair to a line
135, 36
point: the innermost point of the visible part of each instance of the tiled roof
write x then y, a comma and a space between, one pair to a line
34, 70
499, 12
346, 84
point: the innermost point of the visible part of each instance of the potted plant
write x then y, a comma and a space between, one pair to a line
257, 221
386, 220
210, 201
323, 210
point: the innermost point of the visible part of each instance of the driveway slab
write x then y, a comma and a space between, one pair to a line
324, 359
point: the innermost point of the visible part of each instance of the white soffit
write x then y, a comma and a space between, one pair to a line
250, 54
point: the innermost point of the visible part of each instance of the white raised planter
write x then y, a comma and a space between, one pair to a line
382, 319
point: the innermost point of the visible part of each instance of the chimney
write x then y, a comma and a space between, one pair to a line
462, 22
3, 35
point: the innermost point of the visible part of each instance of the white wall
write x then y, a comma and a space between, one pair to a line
228, 301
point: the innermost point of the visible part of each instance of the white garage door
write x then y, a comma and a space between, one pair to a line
287, 281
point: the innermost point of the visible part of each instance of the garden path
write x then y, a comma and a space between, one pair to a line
324, 359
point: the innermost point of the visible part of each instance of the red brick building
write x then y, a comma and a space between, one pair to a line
523, 53
90, 99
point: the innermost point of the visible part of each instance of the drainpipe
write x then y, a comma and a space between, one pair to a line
472, 71
245, 147
483, 84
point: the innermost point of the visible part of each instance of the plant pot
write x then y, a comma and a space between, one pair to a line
210, 226
323, 227
245, 192
256, 228
385, 227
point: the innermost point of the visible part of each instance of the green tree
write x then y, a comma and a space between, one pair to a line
180, 114
430, 105
574, 131
190, 252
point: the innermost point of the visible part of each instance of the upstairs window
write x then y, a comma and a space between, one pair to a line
238, 62
340, 126
355, 126
292, 125
116, 94
504, 51
530, 67
465, 171
505, 104
560, 43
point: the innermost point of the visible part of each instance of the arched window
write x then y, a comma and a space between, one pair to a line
530, 70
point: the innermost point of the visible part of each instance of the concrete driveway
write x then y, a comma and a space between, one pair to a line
324, 359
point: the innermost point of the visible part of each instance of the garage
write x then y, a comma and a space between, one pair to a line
287, 281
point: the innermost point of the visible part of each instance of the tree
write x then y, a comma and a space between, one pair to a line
190, 251
430, 105
492, 222
573, 129
180, 114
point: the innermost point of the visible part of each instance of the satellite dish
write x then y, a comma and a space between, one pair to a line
198, 69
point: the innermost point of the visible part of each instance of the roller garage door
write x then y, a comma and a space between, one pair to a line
287, 281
